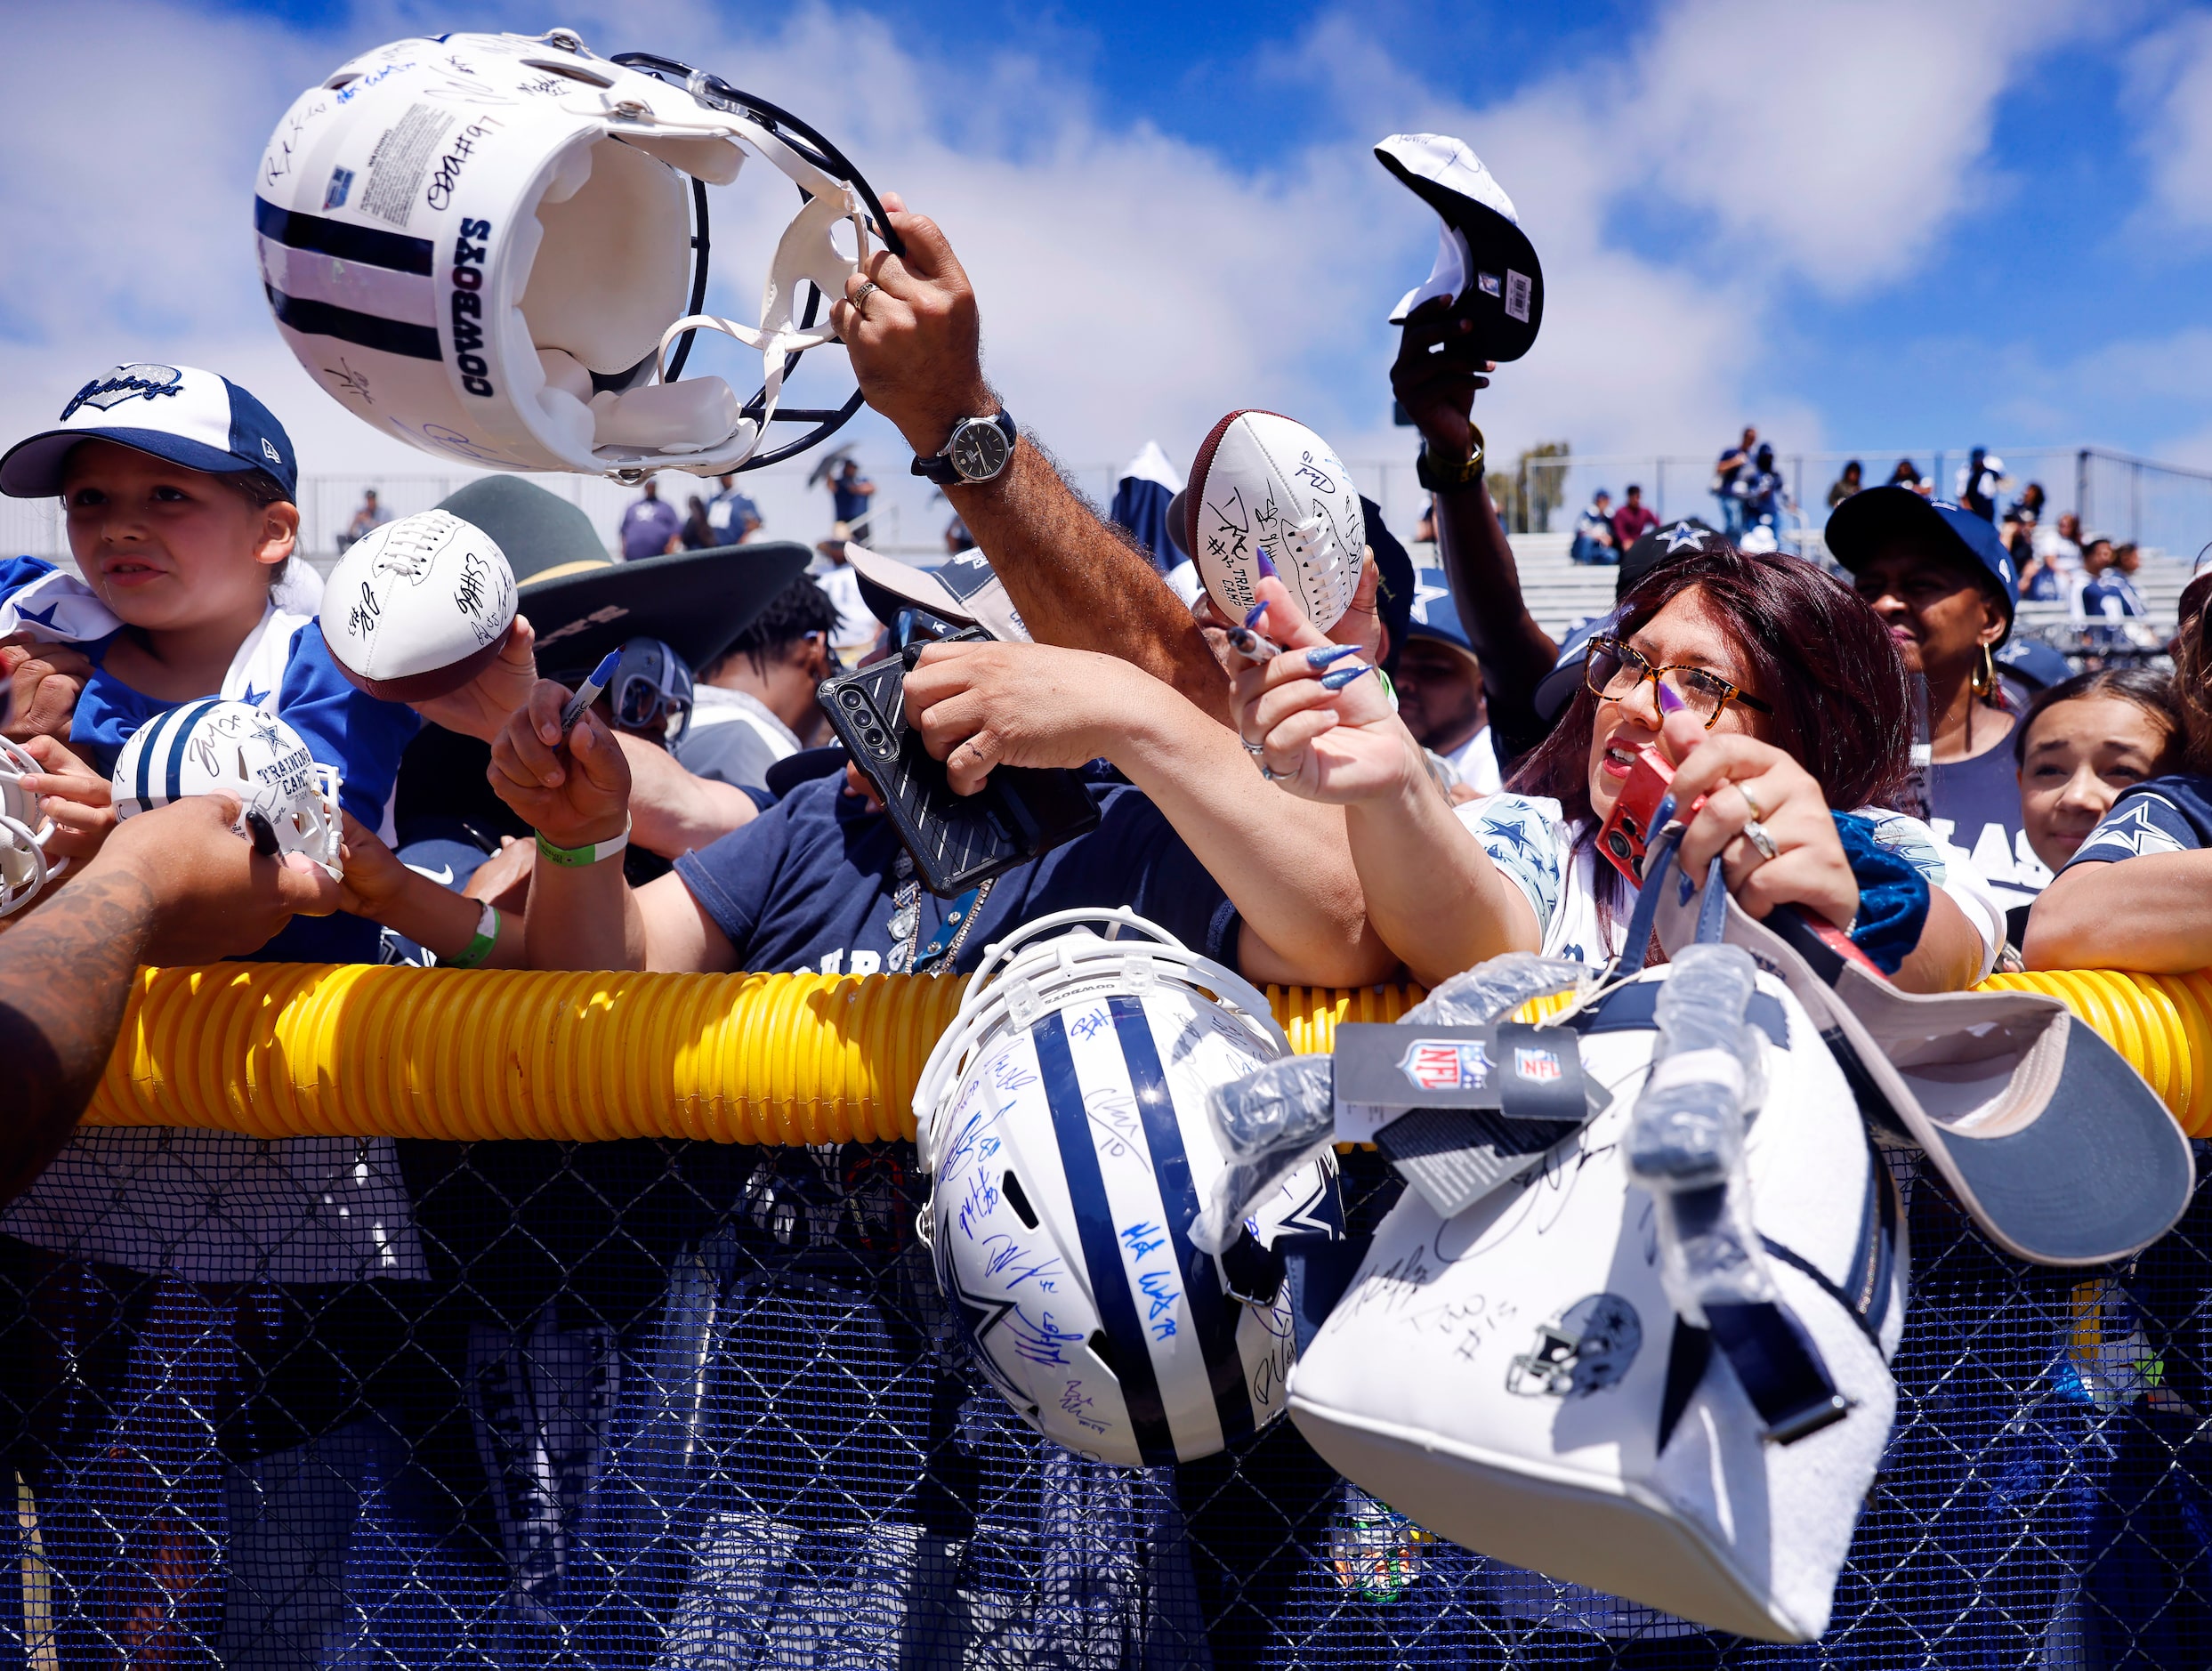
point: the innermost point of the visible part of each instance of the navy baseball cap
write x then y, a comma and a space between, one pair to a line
188, 417
1862, 524
1434, 615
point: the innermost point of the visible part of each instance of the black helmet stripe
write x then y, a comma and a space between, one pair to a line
362, 245
366, 330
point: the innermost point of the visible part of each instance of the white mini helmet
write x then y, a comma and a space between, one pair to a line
1063, 1121
25, 830
202, 747
480, 243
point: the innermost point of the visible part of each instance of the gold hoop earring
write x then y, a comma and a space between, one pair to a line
1985, 677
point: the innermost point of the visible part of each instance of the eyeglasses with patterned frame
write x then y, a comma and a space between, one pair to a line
1617, 671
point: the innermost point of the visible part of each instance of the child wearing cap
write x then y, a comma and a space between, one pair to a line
178, 489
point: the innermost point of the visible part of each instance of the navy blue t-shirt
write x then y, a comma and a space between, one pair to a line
2160, 815
808, 884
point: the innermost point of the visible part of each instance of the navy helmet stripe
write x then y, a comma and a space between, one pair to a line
1101, 1247
173, 744
151, 735
1214, 1315
366, 330
347, 242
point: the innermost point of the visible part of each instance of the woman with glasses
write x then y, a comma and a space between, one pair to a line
2137, 895
1774, 692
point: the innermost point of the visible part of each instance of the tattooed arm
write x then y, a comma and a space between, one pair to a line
173, 886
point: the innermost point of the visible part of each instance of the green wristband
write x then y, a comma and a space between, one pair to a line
590, 855
480, 947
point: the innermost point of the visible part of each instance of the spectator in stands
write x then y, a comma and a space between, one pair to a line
1440, 693
849, 493
2137, 895
2109, 594
756, 705
1632, 521
1593, 532
1980, 480
650, 527
1772, 687
1907, 475
1853, 479
732, 515
174, 886
1728, 480
2019, 527
1762, 495
2054, 570
2096, 560
370, 517
1940, 579
2081, 745
698, 533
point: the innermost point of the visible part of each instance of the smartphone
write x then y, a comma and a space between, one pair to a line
1627, 835
957, 841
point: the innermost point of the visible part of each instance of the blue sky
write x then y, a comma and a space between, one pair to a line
1865, 224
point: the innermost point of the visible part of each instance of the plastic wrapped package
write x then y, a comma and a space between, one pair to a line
1274, 1119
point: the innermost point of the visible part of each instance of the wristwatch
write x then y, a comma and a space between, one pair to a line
1441, 475
978, 451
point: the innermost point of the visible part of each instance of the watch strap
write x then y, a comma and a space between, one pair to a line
939, 469
588, 855
1443, 475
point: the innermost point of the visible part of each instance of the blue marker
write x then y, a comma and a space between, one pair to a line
588, 692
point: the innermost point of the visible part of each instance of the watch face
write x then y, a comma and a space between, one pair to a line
979, 449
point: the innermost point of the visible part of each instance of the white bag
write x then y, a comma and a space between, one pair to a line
1515, 1378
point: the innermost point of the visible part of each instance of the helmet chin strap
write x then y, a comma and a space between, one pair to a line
807, 251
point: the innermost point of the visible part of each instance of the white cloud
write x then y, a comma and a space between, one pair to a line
1134, 285
2170, 82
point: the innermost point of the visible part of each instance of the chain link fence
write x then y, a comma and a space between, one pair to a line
680, 1406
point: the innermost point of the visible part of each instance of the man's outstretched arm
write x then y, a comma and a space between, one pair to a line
915, 340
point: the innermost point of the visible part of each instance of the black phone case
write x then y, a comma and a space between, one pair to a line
957, 841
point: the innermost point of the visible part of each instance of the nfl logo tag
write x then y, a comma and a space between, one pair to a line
1540, 1065
1442, 1064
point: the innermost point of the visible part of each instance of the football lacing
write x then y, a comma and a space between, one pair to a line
1313, 546
412, 543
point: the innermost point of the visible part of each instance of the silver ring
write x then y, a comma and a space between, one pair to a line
1270, 774
1254, 749
1755, 834
861, 296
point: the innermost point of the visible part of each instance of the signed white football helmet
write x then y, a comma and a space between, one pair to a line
480, 243
1063, 1121
202, 747
25, 830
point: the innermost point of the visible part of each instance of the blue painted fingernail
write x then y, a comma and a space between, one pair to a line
1343, 676
1267, 564
1322, 655
1252, 619
1669, 703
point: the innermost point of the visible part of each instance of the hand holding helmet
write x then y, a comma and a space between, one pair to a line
214, 896
910, 324
79, 801
286, 796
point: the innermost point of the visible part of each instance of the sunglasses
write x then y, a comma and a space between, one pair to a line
1616, 672
639, 701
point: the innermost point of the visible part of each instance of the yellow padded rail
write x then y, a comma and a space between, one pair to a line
285, 1049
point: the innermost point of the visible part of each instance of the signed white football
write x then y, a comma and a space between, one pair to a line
419, 607
1264, 483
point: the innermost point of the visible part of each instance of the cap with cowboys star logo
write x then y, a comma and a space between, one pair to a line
186, 416
1881, 519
